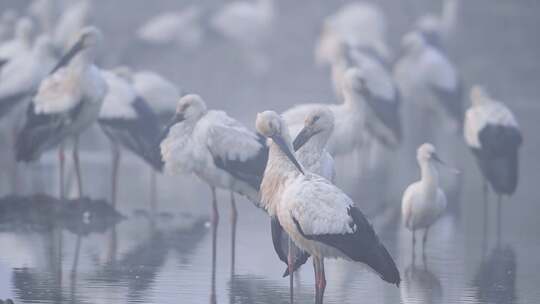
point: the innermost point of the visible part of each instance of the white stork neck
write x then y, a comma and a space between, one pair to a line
316, 144
352, 101
429, 174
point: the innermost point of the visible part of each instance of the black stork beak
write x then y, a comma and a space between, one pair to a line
66, 59
278, 139
436, 158
177, 118
303, 137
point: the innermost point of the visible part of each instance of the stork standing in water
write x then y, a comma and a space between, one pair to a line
318, 217
67, 102
424, 201
128, 120
20, 43
310, 147
492, 133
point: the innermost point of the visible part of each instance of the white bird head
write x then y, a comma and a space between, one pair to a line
478, 95
318, 121
191, 107
427, 153
271, 125
413, 43
88, 41
24, 28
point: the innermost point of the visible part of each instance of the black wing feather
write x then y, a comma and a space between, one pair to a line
280, 240
388, 112
451, 100
362, 245
139, 135
251, 170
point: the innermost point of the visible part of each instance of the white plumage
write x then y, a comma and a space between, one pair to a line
215, 147
317, 216
73, 19
483, 112
425, 76
21, 41
360, 24
161, 93
118, 103
21, 76
438, 29
181, 27
423, 202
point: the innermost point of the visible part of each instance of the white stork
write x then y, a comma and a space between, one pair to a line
318, 217
492, 133
72, 20
427, 78
216, 148
21, 42
67, 102
423, 202
128, 121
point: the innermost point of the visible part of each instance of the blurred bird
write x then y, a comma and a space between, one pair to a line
359, 24
492, 133
426, 77
7, 24
216, 148
317, 216
73, 19
439, 29
21, 42
67, 102
424, 202
21, 76
128, 120
182, 27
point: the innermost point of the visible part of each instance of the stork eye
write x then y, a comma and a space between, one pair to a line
315, 118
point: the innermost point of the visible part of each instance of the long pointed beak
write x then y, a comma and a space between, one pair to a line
178, 117
75, 49
303, 137
438, 159
278, 139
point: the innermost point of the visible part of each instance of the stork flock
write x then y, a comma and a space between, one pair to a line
286, 165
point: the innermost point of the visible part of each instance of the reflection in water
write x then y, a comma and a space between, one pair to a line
247, 289
420, 285
496, 278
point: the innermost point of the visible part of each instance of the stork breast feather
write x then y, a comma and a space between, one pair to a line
57, 94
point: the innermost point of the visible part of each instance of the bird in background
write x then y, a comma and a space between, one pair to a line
7, 23
67, 102
492, 133
318, 217
20, 43
439, 29
423, 202
129, 122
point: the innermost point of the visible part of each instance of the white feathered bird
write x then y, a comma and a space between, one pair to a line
216, 148
72, 20
319, 217
20, 43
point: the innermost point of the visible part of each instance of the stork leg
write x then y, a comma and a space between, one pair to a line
290, 261
215, 212
413, 245
114, 177
153, 191
424, 241
77, 165
321, 282
317, 276
61, 160
234, 216
499, 221
214, 257
486, 216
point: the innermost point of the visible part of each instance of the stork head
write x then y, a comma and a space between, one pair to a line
272, 126
88, 39
355, 80
318, 121
413, 43
478, 95
427, 153
191, 107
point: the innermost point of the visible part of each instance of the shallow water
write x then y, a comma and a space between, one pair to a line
166, 255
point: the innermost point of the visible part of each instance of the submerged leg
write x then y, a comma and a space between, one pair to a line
486, 216
234, 216
290, 261
77, 165
214, 258
215, 212
499, 221
114, 177
153, 191
413, 245
61, 160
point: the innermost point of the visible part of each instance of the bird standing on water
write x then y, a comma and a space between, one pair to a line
217, 148
67, 102
424, 201
492, 133
318, 217
128, 120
